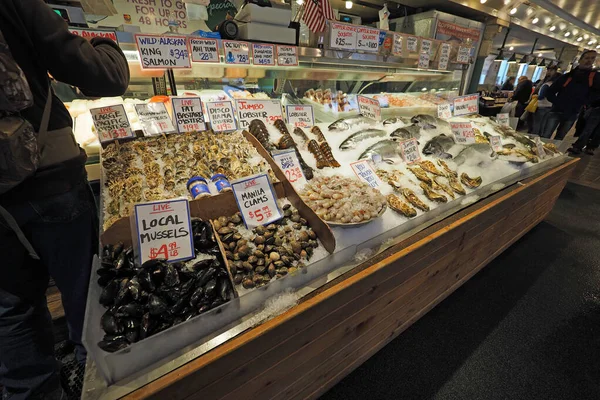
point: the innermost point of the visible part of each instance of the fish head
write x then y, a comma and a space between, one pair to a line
339, 125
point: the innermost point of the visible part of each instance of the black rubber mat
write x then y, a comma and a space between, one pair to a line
526, 327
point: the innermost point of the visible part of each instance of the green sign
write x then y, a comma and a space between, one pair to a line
217, 12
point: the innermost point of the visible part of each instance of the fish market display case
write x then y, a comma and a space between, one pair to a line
381, 221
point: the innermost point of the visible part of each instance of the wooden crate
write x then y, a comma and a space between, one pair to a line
305, 351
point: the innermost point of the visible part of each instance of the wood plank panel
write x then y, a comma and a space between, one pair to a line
292, 342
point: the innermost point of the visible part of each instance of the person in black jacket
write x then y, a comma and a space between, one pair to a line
54, 209
522, 95
509, 84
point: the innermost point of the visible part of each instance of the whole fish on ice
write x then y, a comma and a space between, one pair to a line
344, 124
428, 121
387, 149
352, 140
439, 146
478, 151
407, 132
396, 120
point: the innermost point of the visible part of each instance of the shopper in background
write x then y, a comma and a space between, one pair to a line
543, 106
568, 94
52, 213
522, 95
509, 84
587, 137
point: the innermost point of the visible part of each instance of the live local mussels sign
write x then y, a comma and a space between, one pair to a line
163, 230
161, 52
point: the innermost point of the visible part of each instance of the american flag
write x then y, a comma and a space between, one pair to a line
315, 14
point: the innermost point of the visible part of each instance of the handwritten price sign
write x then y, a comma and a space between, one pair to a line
221, 116
397, 46
163, 51
154, 119
300, 115
503, 119
367, 39
463, 132
256, 200
268, 111
288, 162
466, 105
365, 173
423, 60
410, 151
263, 54
111, 123
496, 142
287, 56
412, 43
163, 230
369, 107
342, 36
236, 52
204, 50
444, 111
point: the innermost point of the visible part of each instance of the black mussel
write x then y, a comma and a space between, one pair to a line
216, 303
104, 280
225, 292
179, 305
146, 326
123, 295
210, 289
178, 320
170, 294
151, 264
205, 275
202, 264
156, 305
109, 292
132, 336
186, 274
131, 323
214, 251
196, 296
161, 326
171, 276
110, 324
105, 268
121, 261
114, 343
184, 311
190, 315
130, 310
157, 273
146, 281
125, 272
203, 308
107, 252
167, 317
135, 288
117, 249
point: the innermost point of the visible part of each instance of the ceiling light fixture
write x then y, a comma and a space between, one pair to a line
348, 5
598, 47
513, 58
500, 56
552, 28
543, 63
529, 10
483, 1
575, 31
506, 2
579, 39
513, 11
562, 26
586, 36
535, 20
547, 20
511, 48
567, 34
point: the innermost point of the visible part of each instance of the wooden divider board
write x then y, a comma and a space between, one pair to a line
305, 351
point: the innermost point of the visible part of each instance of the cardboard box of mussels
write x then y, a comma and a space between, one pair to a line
149, 353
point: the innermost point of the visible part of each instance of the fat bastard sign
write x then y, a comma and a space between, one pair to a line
256, 200
111, 123
163, 230
188, 114
267, 111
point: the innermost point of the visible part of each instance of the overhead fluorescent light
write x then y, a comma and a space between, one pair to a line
513, 11
552, 28
535, 20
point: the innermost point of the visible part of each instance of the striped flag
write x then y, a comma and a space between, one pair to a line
315, 14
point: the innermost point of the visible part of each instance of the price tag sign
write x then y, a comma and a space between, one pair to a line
503, 119
256, 200
444, 111
342, 36
444, 56
464, 53
412, 44
466, 105
409, 149
188, 114
160, 52
89, 34
423, 60
163, 230
288, 162
300, 115
367, 39
204, 50
369, 108
539, 148
154, 119
221, 116
426, 46
463, 132
236, 52
496, 142
267, 111
364, 171
443, 63
397, 46
287, 56
111, 123
263, 54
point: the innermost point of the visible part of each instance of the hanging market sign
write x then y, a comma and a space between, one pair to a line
111, 123
188, 114
426, 46
267, 111
204, 50
397, 46
423, 60
412, 43
217, 12
154, 119
444, 56
160, 52
163, 230
256, 200
221, 116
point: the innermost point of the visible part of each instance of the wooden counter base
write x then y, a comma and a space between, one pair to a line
305, 351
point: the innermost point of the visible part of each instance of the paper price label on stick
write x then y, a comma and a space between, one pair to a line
463, 132
163, 230
288, 162
111, 123
369, 108
236, 52
256, 200
443, 63
423, 60
367, 39
426, 46
410, 151
287, 56
464, 54
204, 50
221, 116
496, 142
342, 36
397, 46
188, 114
364, 171
503, 119
444, 111
466, 105
412, 44
263, 54
539, 148
163, 51
300, 115
154, 119
268, 111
